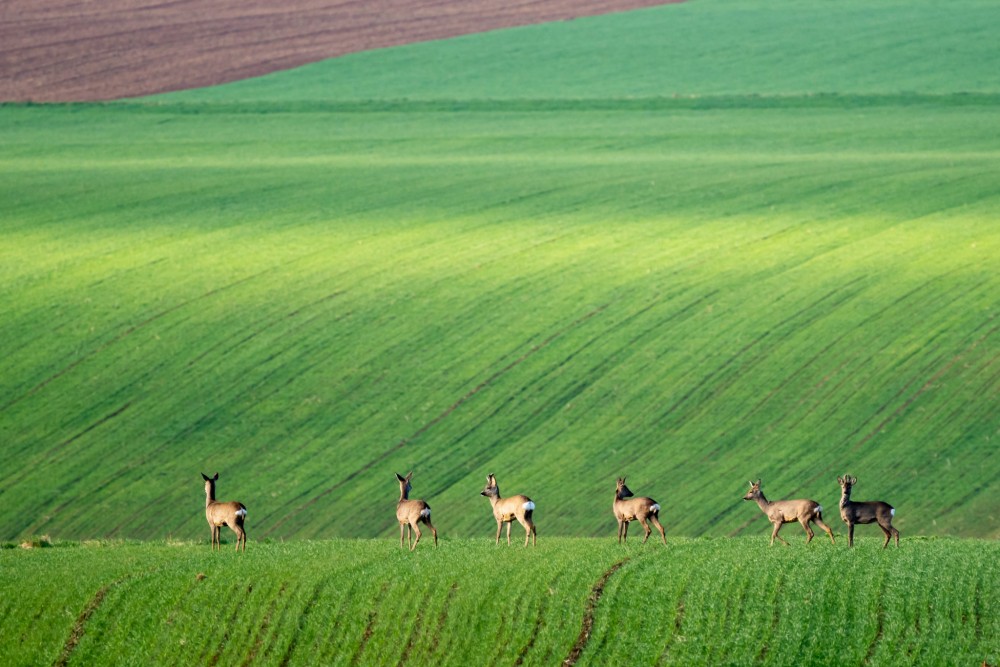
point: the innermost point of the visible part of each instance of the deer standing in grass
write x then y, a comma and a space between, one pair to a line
635, 508
867, 512
780, 512
231, 514
411, 513
505, 510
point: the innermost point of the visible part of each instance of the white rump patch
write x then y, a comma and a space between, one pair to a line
892, 512
242, 513
655, 507
529, 506
426, 512
819, 509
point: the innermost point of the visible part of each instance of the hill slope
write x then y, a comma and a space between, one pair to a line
307, 291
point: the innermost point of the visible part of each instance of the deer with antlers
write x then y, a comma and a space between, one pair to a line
411, 513
633, 509
506, 510
780, 512
865, 512
231, 514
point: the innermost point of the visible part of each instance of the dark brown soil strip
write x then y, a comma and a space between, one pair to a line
63, 50
588, 615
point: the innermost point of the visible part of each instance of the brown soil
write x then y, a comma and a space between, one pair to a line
69, 50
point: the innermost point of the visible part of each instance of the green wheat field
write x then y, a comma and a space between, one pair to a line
695, 245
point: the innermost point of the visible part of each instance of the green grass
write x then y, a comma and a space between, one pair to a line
307, 290
697, 602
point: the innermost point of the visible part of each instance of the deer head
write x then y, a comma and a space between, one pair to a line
404, 484
754, 491
491, 490
622, 490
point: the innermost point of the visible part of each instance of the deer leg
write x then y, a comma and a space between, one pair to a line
819, 522
433, 531
508, 532
529, 529
645, 527
850, 534
809, 532
774, 534
888, 535
620, 523
239, 536
499, 528
659, 527
625, 532
416, 529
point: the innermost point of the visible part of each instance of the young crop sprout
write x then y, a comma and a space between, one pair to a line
411, 513
231, 514
506, 510
780, 512
633, 509
874, 511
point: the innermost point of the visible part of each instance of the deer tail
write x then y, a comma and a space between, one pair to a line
529, 506
426, 512
242, 512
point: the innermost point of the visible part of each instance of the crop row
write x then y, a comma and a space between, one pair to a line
698, 602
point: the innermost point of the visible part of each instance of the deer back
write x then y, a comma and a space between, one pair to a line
229, 513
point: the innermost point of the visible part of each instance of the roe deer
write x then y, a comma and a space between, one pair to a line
409, 513
780, 512
231, 514
636, 508
505, 510
868, 512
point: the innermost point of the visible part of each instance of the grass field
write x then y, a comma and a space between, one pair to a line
307, 290
343, 602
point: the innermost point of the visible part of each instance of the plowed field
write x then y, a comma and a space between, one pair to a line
74, 50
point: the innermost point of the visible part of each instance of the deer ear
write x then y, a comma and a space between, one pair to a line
757, 482
409, 476
216, 477
399, 477
205, 476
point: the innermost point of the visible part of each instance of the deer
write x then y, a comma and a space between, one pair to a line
866, 512
780, 512
411, 513
635, 508
231, 514
505, 510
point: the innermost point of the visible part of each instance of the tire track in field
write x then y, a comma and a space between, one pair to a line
303, 618
676, 635
79, 628
444, 414
588, 615
370, 626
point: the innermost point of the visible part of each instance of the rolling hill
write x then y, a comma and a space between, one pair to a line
694, 245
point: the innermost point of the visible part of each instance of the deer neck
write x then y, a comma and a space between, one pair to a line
845, 497
762, 502
209, 496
